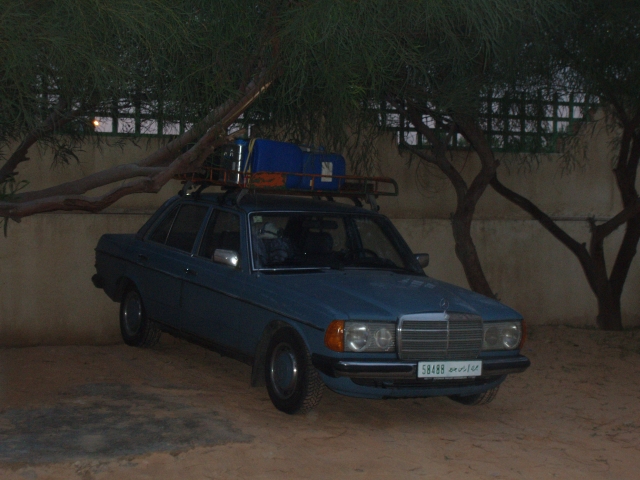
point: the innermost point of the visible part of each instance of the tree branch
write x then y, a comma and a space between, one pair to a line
578, 249
55, 121
474, 134
627, 168
437, 158
600, 232
229, 109
68, 196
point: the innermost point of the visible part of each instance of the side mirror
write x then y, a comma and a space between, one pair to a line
226, 257
423, 259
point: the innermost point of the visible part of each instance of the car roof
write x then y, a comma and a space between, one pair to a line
253, 202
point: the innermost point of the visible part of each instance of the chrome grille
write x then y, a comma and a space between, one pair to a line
439, 336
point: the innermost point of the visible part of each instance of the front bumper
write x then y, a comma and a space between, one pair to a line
399, 379
404, 370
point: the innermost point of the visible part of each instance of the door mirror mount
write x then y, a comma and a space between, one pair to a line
423, 259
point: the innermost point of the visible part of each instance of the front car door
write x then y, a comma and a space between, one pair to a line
211, 294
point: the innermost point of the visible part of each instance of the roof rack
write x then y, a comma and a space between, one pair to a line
354, 187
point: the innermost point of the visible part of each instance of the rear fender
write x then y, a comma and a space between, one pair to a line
123, 284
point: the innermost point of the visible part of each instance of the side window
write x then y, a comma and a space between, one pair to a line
186, 227
223, 232
159, 234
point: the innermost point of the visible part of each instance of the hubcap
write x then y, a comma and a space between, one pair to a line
284, 370
132, 313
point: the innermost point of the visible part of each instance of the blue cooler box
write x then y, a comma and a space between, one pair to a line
323, 164
273, 156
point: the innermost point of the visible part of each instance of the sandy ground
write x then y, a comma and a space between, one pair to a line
179, 411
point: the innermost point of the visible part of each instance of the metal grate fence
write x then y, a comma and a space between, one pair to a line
513, 123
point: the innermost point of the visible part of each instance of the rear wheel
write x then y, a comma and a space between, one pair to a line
476, 399
136, 328
293, 383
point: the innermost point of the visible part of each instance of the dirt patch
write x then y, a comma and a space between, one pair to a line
180, 411
103, 421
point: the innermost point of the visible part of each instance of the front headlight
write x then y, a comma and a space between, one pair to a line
501, 335
344, 336
356, 337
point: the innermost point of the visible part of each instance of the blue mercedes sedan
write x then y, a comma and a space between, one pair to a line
310, 293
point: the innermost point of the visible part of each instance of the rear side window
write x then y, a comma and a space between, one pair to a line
186, 227
222, 232
180, 231
159, 234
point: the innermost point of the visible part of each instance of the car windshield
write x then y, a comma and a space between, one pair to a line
285, 241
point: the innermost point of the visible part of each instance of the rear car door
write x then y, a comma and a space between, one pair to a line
162, 260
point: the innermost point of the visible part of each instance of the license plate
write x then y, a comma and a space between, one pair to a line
450, 369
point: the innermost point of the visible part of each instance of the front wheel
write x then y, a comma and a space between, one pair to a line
136, 328
478, 398
293, 383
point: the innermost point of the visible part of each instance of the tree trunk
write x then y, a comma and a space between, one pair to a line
467, 196
461, 220
609, 298
609, 311
468, 255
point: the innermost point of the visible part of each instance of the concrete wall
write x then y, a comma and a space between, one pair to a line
46, 262
46, 296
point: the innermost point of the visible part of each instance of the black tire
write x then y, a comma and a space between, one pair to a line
293, 383
476, 399
136, 328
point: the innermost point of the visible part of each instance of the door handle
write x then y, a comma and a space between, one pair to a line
190, 271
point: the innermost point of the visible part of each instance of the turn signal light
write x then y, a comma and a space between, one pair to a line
524, 335
334, 336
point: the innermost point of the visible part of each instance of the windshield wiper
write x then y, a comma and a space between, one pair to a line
289, 271
405, 271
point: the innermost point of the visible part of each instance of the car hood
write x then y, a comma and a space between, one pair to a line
376, 295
